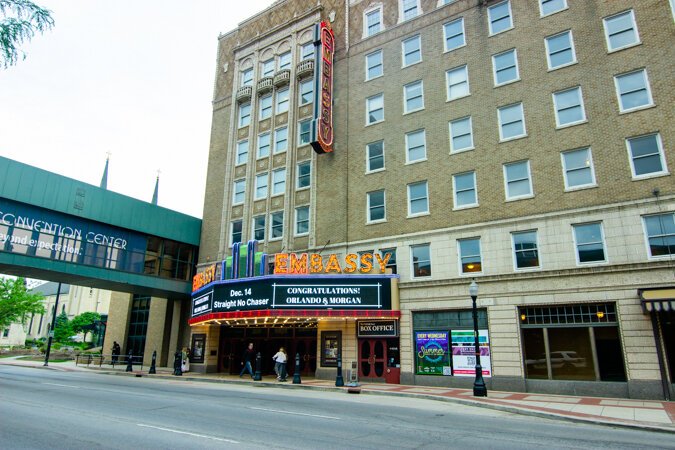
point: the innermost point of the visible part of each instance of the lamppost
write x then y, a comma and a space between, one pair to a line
479, 389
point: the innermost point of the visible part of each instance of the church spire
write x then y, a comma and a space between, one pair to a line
156, 193
104, 178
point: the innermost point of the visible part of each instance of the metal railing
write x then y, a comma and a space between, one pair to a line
109, 360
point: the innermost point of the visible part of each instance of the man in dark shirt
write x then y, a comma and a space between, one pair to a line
246, 360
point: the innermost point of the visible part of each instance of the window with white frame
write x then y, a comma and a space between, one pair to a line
511, 122
499, 17
560, 50
282, 101
457, 81
372, 21
413, 97
632, 90
304, 177
420, 255
304, 131
569, 107
375, 156
376, 206
263, 145
259, 228
470, 260
461, 135
525, 249
276, 225
279, 181
578, 168
374, 66
412, 50
242, 152
265, 107
621, 31
517, 180
418, 198
590, 243
547, 7
453, 34
267, 68
505, 67
238, 192
307, 51
375, 109
261, 183
247, 77
301, 220
281, 139
284, 60
660, 233
415, 145
236, 231
464, 190
646, 156
244, 115
306, 92
409, 9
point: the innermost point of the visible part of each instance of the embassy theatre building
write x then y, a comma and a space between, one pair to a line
384, 154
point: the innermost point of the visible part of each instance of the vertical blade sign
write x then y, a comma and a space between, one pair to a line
323, 100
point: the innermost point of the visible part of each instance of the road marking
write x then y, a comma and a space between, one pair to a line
62, 385
295, 413
189, 434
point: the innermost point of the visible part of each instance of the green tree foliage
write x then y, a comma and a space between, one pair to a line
19, 20
16, 303
85, 323
63, 329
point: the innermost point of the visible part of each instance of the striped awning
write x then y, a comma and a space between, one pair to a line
658, 299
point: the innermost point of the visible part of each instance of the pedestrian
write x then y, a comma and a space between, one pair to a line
246, 360
280, 364
185, 359
116, 350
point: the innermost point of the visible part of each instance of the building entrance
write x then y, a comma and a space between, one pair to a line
379, 360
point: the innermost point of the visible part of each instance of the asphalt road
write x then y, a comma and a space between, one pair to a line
42, 409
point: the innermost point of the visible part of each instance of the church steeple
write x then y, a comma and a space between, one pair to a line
104, 178
156, 193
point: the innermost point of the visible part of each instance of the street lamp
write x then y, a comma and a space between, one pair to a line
479, 389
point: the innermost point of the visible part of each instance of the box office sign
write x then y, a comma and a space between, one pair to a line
279, 292
377, 328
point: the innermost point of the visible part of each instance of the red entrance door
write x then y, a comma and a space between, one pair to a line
372, 358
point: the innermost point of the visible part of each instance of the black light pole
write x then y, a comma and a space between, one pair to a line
51, 328
479, 389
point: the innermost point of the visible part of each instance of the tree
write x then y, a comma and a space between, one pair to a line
16, 303
85, 323
63, 329
19, 20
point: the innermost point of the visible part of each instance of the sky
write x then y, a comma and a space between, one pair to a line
126, 77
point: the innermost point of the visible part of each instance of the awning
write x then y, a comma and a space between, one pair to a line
657, 299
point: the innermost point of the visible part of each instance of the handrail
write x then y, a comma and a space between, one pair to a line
108, 360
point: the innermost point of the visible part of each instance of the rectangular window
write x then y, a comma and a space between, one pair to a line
372, 22
409, 9
238, 192
646, 155
242, 152
415, 145
511, 122
276, 225
505, 67
306, 92
413, 97
259, 228
263, 145
525, 249
282, 101
376, 206
307, 51
464, 190
279, 181
457, 82
375, 109
632, 90
660, 232
374, 66
560, 50
281, 139
499, 17
461, 135
453, 33
375, 156
569, 107
284, 61
547, 7
578, 169
469, 255
301, 220
235, 236
247, 77
265, 107
261, 182
244, 115
267, 68
421, 259
621, 31
590, 243
517, 180
412, 51
304, 175
418, 198
391, 263
304, 131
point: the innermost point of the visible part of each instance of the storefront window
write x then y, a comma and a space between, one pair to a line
570, 354
331, 342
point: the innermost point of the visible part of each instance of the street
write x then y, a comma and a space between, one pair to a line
81, 410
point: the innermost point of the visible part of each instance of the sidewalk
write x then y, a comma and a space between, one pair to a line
642, 414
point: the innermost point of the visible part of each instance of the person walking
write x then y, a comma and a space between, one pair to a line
280, 364
246, 360
116, 350
185, 359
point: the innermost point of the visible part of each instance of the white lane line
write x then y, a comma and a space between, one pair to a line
295, 413
189, 434
62, 385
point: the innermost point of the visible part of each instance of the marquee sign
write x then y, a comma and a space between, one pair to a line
322, 126
311, 263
